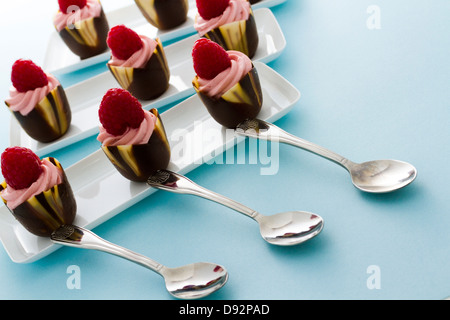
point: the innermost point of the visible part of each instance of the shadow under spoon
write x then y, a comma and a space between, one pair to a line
192, 281
378, 176
283, 229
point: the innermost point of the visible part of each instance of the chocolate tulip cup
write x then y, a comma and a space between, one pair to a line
87, 38
50, 119
239, 35
148, 82
47, 211
164, 14
243, 101
138, 162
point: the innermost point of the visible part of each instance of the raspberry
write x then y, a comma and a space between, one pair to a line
20, 167
123, 42
209, 9
119, 110
26, 76
210, 59
65, 4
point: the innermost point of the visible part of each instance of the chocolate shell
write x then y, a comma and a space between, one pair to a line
138, 162
148, 82
87, 38
47, 211
254, 1
243, 101
164, 14
239, 35
50, 119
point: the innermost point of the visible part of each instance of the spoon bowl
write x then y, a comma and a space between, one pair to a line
382, 176
289, 228
191, 281
195, 280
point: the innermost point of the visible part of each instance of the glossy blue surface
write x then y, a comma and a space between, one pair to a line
374, 77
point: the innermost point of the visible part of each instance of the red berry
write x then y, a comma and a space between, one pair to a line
65, 4
209, 9
123, 42
119, 110
20, 167
210, 59
26, 76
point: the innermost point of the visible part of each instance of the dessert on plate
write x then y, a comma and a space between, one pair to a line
38, 101
36, 191
230, 23
133, 139
83, 26
164, 14
226, 82
138, 63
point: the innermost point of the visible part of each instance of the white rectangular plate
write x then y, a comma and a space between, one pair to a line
101, 192
85, 97
59, 58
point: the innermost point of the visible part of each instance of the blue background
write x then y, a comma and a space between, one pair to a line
366, 94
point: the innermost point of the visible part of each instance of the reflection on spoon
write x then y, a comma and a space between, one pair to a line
283, 229
377, 176
192, 281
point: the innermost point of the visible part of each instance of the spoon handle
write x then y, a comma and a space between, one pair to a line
256, 128
73, 236
176, 183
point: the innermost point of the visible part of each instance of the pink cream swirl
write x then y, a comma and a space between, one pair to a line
139, 58
237, 10
93, 8
24, 102
140, 135
50, 177
224, 81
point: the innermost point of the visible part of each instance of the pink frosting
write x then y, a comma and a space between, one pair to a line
50, 177
237, 10
224, 81
139, 58
24, 102
93, 8
140, 135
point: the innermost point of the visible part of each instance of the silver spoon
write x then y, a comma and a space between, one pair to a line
192, 281
283, 229
377, 176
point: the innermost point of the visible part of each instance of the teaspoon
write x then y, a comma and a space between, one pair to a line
191, 281
377, 176
283, 229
